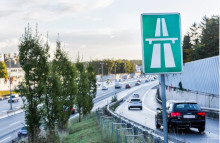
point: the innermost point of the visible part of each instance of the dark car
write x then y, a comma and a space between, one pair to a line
182, 114
137, 83
127, 86
22, 132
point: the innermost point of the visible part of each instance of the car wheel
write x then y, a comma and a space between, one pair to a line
201, 129
140, 108
128, 108
156, 123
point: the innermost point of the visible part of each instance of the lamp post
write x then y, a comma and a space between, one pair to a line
102, 73
9, 59
115, 70
98, 70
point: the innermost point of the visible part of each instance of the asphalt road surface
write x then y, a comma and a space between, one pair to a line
146, 117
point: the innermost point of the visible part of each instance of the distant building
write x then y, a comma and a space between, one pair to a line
138, 68
17, 73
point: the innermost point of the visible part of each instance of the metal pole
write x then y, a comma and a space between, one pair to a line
165, 131
115, 70
102, 73
10, 83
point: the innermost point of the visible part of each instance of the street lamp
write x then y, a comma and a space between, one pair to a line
9, 59
102, 73
115, 70
98, 70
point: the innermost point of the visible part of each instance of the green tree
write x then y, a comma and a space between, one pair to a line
92, 85
3, 70
187, 48
33, 57
66, 73
195, 34
210, 37
82, 98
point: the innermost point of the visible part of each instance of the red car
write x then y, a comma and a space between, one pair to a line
73, 110
127, 86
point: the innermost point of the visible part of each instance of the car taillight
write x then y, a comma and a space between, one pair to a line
130, 102
175, 114
201, 114
140, 101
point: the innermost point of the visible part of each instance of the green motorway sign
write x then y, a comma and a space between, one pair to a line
162, 50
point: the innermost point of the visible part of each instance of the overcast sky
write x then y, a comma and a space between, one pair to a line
96, 28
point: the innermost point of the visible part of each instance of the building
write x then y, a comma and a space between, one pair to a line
17, 73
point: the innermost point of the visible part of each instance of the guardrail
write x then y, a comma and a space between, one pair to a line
147, 134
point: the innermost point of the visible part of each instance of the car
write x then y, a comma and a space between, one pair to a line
23, 132
182, 114
127, 86
1, 98
104, 88
14, 98
135, 95
137, 83
73, 110
147, 80
117, 85
135, 103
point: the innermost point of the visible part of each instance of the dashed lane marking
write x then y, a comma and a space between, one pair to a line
1, 141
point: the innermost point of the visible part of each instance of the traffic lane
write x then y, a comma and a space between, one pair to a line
212, 125
5, 106
10, 126
143, 116
111, 88
147, 118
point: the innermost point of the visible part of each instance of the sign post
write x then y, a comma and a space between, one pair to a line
162, 51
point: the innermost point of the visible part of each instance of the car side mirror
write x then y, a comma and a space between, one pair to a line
159, 109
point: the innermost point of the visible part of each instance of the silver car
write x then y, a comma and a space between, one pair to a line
135, 103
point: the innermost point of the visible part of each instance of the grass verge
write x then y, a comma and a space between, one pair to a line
86, 131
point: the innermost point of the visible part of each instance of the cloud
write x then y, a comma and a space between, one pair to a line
9, 46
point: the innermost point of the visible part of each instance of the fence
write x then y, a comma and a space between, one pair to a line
124, 130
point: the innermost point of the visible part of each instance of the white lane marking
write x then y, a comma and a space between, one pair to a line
14, 123
4, 111
1, 141
144, 103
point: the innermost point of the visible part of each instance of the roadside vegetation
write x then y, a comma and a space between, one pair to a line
52, 87
86, 131
202, 40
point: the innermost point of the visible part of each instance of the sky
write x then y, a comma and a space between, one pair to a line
97, 29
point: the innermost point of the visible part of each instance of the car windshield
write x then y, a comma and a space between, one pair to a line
135, 99
23, 128
187, 107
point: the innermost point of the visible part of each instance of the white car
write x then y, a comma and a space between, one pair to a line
135, 103
104, 88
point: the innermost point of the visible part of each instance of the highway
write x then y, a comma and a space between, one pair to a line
146, 117
9, 126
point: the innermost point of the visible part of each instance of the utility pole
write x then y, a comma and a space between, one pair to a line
9, 59
115, 70
102, 73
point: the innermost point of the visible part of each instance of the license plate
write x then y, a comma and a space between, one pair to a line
188, 116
